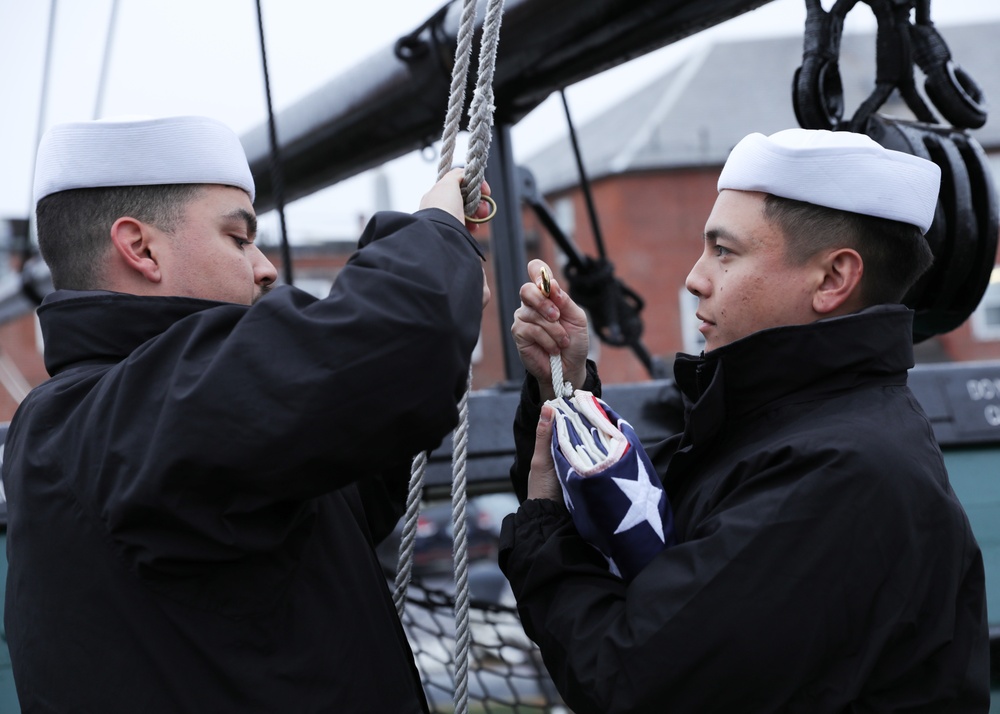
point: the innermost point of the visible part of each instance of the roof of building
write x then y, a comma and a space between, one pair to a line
695, 113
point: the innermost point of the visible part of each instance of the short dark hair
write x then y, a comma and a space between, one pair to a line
74, 226
895, 254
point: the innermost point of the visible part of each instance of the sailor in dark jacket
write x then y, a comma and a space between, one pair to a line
824, 563
195, 494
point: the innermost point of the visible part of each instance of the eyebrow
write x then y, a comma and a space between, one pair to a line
249, 219
715, 233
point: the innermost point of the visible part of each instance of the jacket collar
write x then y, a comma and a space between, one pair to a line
96, 326
785, 362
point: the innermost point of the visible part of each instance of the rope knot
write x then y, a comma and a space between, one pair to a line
561, 387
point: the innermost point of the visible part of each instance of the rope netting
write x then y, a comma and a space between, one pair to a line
505, 670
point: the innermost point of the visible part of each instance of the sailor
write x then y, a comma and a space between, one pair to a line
823, 562
195, 494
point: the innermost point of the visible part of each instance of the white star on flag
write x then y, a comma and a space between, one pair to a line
645, 498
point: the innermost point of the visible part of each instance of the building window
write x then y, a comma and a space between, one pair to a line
564, 214
986, 318
694, 341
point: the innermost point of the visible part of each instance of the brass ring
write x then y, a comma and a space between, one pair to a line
489, 217
546, 286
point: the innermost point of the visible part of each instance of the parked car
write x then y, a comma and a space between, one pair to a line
434, 541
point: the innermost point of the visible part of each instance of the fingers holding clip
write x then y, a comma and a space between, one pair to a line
545, 283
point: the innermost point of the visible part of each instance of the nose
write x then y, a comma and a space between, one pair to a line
696, 282
264, 273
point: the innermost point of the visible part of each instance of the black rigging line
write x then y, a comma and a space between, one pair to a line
584, 181
614, 308
277, 175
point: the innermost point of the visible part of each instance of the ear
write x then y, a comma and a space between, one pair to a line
134, 244
839, 290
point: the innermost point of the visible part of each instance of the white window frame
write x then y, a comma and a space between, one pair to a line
983, 328
691, 338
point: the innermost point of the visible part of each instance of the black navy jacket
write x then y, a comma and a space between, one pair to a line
824, 563
195, 493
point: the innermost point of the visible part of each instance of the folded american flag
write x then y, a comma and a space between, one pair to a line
609, 485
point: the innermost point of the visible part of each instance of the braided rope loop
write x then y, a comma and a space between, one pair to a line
456, 100
481, 128
481, 110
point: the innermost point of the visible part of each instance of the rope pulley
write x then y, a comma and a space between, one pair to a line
963, 236
614, 307
955, 94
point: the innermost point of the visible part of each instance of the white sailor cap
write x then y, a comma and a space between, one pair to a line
140, 151
836, 169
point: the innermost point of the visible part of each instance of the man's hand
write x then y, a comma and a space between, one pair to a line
545, 326
542, 479
446, 194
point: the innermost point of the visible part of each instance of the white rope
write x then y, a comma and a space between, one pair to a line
560, 387
404, 571
480, 128
463, 634
481, 110
456, 99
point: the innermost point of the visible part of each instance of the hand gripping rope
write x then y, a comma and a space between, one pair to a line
605, 476
559, 386
480, 130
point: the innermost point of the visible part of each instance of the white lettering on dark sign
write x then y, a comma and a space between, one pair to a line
980, 389
986, 390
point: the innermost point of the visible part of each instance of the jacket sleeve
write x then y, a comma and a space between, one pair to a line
383, 498
296, 396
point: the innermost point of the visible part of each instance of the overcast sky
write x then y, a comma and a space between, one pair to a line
203, 57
